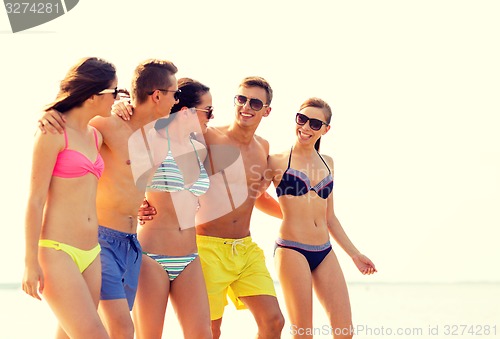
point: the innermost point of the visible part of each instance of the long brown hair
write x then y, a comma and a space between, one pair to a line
87, 77
327, 111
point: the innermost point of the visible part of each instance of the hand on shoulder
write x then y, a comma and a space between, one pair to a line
52, 121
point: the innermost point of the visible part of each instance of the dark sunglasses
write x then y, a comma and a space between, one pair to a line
255, 104
115, 91
176, 93
209, 111
315, 124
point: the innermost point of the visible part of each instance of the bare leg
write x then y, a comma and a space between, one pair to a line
216, 324
331, 289
92, 276
267, 314
151, 300
190, 301
116, 317
70, 297
296, 281
60, 334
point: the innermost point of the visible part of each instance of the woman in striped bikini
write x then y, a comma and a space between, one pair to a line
171, 268
303, 255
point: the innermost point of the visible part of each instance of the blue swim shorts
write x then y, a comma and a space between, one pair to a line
121, 256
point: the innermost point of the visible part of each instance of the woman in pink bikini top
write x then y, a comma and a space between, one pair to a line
62, 250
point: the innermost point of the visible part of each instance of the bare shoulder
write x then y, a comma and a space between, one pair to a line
278, 160
329, 160
216, 135
200, 149
107, 126
199, 137
50, 141
263, 142
102, 124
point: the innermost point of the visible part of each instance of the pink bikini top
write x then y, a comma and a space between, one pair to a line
73, 164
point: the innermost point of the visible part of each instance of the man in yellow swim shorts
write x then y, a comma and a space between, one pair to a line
232, 264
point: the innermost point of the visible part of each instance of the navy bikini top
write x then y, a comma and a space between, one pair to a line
297, 183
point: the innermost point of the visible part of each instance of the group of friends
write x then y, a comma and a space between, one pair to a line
130, 209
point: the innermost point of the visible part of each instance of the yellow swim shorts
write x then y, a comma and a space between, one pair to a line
234, 267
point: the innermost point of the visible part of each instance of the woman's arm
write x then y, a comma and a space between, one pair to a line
45, 151
336, 230
269, 205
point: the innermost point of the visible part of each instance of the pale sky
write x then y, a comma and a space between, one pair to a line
414, 88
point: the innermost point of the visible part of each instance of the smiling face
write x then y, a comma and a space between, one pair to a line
305, 134
245, 115
201, 110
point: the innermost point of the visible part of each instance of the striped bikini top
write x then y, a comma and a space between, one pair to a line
168, 177
297, 183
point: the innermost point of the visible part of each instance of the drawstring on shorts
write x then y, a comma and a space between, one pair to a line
234, 245
131, 238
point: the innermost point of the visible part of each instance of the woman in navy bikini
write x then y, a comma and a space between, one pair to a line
171, 268
62, 251
303, 254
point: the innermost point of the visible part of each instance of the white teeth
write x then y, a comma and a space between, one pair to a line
246, 115
304, 136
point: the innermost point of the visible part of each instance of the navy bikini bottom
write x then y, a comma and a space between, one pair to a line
314, 254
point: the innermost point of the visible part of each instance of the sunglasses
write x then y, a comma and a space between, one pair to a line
255, 104
113, 91
315, 124
209, 111
176, 93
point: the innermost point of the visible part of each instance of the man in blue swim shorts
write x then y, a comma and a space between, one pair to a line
153, 94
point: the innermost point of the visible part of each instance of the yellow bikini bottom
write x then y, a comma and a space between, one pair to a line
82, 258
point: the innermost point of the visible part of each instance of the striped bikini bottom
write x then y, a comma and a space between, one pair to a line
173, 265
